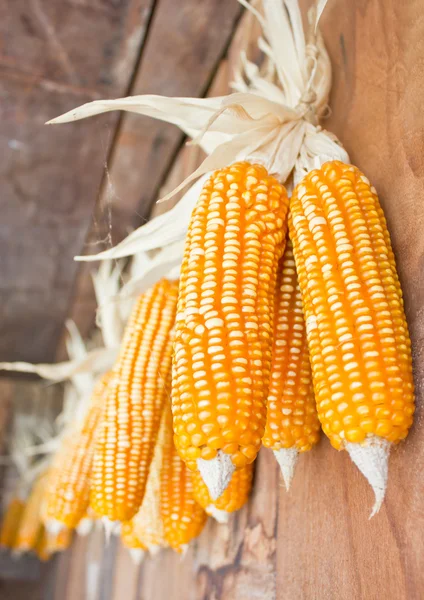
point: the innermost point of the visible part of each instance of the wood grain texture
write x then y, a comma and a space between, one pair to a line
185, 44
50, 175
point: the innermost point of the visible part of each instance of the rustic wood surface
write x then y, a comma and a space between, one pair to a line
50, 176
316, 543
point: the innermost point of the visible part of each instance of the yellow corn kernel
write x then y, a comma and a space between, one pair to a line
292, 420
356, 328
183, 519
68, 484
148, 525
30, 524
223, 337
10, 522
233, 498
134, 403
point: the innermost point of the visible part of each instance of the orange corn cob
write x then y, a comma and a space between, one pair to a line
129, 536
356, 327
292, 422
10, 522
41, 547
30, 524
233, 498
148, 525
60, 541
223, 336
134, 403
183, 519
68, 486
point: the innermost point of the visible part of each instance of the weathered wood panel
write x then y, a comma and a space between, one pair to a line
185, 44
50, 176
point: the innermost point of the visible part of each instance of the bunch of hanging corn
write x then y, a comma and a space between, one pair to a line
133, 408
68, 484
224, 324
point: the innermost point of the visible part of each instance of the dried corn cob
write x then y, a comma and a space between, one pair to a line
10, 522
134, 403
356, 327
148, 525
223, 337
292, 424
131, 541
232, 499
59, 541
31, 524
68, 485
41, 547
183, 519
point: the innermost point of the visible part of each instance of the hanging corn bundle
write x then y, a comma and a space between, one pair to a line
233, 498
292, 422
355, 325
183, 519
133, 408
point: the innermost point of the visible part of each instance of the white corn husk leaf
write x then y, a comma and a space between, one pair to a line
271, 118
106, 281
97, 361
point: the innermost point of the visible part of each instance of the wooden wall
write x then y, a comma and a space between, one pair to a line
315, 543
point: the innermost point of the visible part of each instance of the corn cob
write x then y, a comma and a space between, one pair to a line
68, 485
59, 541
134, 403
183, 519
292, 424
41, 547
232, 499
10, 522
148, 525
223, 336
30, 524
356, 327
130, 540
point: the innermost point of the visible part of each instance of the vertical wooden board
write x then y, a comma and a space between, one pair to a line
50, 175
185, 44
126, 575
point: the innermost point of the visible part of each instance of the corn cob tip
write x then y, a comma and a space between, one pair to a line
221, 516
84, 527
372, 459
54, 527
154, 550
137, 555
216, 473
287, 459
110, 528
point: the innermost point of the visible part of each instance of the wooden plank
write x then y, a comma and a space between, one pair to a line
185, 45
49, 64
